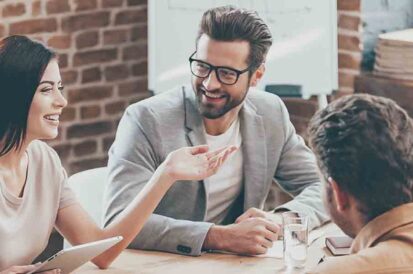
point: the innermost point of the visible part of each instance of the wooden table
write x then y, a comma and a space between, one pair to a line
151, 262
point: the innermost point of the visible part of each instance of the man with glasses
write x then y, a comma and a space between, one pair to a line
224, 211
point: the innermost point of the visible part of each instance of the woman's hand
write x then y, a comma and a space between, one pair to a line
17, 269
189, 163
195, 163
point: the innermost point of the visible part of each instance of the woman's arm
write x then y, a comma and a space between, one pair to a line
183, 164
17, 269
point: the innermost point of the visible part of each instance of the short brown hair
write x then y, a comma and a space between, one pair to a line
365, 143
229, 23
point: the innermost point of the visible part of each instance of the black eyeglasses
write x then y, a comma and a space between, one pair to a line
225, 75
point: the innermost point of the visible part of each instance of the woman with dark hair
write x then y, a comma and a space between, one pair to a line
34, 195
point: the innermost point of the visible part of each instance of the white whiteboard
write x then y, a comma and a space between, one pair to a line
304, 50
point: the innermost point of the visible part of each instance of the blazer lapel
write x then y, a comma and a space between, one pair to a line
194, 126
254, 156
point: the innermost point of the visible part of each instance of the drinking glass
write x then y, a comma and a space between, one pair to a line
295, 229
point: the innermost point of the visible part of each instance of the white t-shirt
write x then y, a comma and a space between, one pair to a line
224, 186
26, 222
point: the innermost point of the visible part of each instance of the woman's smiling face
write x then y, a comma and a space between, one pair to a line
47, 105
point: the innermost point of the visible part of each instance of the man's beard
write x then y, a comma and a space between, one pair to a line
209, 110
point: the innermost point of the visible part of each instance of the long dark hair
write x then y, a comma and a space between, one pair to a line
22, 64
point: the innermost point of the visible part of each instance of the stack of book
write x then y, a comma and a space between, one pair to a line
394, 55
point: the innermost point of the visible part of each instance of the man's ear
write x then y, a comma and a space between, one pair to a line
341, 197
257, 75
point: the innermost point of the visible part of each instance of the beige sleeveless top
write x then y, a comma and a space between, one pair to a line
26, 222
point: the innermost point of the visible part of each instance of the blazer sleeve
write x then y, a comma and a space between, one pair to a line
132, 162
297, 174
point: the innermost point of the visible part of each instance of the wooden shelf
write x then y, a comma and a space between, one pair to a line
400, 91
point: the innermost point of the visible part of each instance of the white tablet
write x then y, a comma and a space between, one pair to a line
71, 258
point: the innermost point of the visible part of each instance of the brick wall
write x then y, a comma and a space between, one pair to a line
349, 44
102, 48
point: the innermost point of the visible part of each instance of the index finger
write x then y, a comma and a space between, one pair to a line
199, 149
34, 267
216, 152
271, 226
53, 271
243, 217
213, 155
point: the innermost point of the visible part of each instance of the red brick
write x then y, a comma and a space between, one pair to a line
89, 94
85, 148
116, 72
346, 79
82, 165
87, 112
68, 114
350, 61
349, 22
57, 6
89, 129
135, 52
111, 37
139, 32
37, 38
107, 143
14, 10
139, 96
36, 8
63, 150
63, 60
348, 5
87, 39
2, 31
137, 2
140, 69
134, 87
91, 75
85, 21
349, 42
69, 77
95, 56
340, 93
131, 16
111, 3
59, 41
34, 26
115, 107
81, 5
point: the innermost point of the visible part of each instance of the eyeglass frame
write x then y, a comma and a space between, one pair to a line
215, 68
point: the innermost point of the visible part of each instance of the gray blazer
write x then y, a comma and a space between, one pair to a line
152, 128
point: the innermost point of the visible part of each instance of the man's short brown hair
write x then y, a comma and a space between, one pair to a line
228, 23
365, 143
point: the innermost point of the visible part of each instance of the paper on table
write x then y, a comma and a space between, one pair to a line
276, 251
